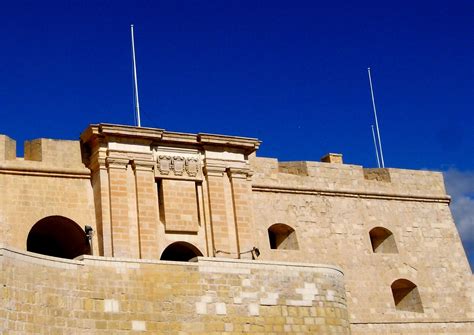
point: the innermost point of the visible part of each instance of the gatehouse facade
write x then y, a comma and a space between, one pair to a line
133, 229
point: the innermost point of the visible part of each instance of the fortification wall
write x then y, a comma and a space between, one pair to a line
50, 180
45, 295
333, 207
148, 193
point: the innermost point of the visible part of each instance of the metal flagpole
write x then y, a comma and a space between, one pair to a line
376, 121
137, 104
375, 145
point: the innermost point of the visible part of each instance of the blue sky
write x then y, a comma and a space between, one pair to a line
293, 74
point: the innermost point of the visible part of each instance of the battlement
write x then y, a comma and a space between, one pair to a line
7, 148
347, 178
128, 210
41, 154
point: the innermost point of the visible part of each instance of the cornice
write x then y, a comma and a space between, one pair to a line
351, 193
155, 136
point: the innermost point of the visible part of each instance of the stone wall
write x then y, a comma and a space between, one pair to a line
55, 183
332, 208
145, 190
44, 295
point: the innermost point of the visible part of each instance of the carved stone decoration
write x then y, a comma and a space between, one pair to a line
178, 165
164, 164
192, 166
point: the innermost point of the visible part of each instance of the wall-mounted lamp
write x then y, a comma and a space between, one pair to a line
89, 233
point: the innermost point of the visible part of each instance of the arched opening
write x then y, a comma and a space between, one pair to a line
406, 296
59, 237
180, 252
383, 241
282, 236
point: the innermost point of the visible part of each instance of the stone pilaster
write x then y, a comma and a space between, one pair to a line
125, 241
240, 179
223, 237
147, 208
100, 185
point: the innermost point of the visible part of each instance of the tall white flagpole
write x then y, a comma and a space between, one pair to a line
376, 121
375, 145
137, 104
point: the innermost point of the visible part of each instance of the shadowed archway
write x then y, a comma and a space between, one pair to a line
180, 251
58, 236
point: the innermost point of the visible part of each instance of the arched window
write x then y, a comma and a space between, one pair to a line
59, 237
383, 241
406, 296
180, 251
282, 236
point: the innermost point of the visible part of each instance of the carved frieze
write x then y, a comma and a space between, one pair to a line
179, 166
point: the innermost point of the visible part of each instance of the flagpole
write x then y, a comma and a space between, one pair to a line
375, 145
376, 121
137, 104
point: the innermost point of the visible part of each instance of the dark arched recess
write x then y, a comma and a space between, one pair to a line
406, 296
282, 236
180, 251
58, 236
383, 241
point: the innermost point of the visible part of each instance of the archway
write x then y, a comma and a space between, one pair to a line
180, 251
58, 236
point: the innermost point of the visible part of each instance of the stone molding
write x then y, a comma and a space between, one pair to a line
214, 170
46, 172
239, 173
153, 136
143, 165
117, 162
350, 194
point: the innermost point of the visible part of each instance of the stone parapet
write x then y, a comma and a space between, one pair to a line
42, 295
349, 179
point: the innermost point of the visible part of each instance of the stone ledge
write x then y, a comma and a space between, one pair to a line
349, 193
20, 168
198, 262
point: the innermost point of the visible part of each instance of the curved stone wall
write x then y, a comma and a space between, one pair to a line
97, 295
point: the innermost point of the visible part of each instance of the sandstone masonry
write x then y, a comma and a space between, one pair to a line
144, 230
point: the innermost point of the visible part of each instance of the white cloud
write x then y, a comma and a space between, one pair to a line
460, 185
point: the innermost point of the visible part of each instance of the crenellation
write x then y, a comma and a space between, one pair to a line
7, 148
136, 229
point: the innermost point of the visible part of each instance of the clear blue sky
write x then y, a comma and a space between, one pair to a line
292, 73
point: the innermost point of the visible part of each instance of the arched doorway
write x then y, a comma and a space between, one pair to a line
180, 251
58, 236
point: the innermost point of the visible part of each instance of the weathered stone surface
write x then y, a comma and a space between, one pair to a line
214, 197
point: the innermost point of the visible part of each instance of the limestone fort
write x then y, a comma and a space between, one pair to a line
133, 230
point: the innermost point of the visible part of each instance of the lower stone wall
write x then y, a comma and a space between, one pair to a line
96, 295
413, 328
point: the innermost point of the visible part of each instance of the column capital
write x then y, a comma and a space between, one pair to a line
143, 165
214, 170
117, 162
239, 173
